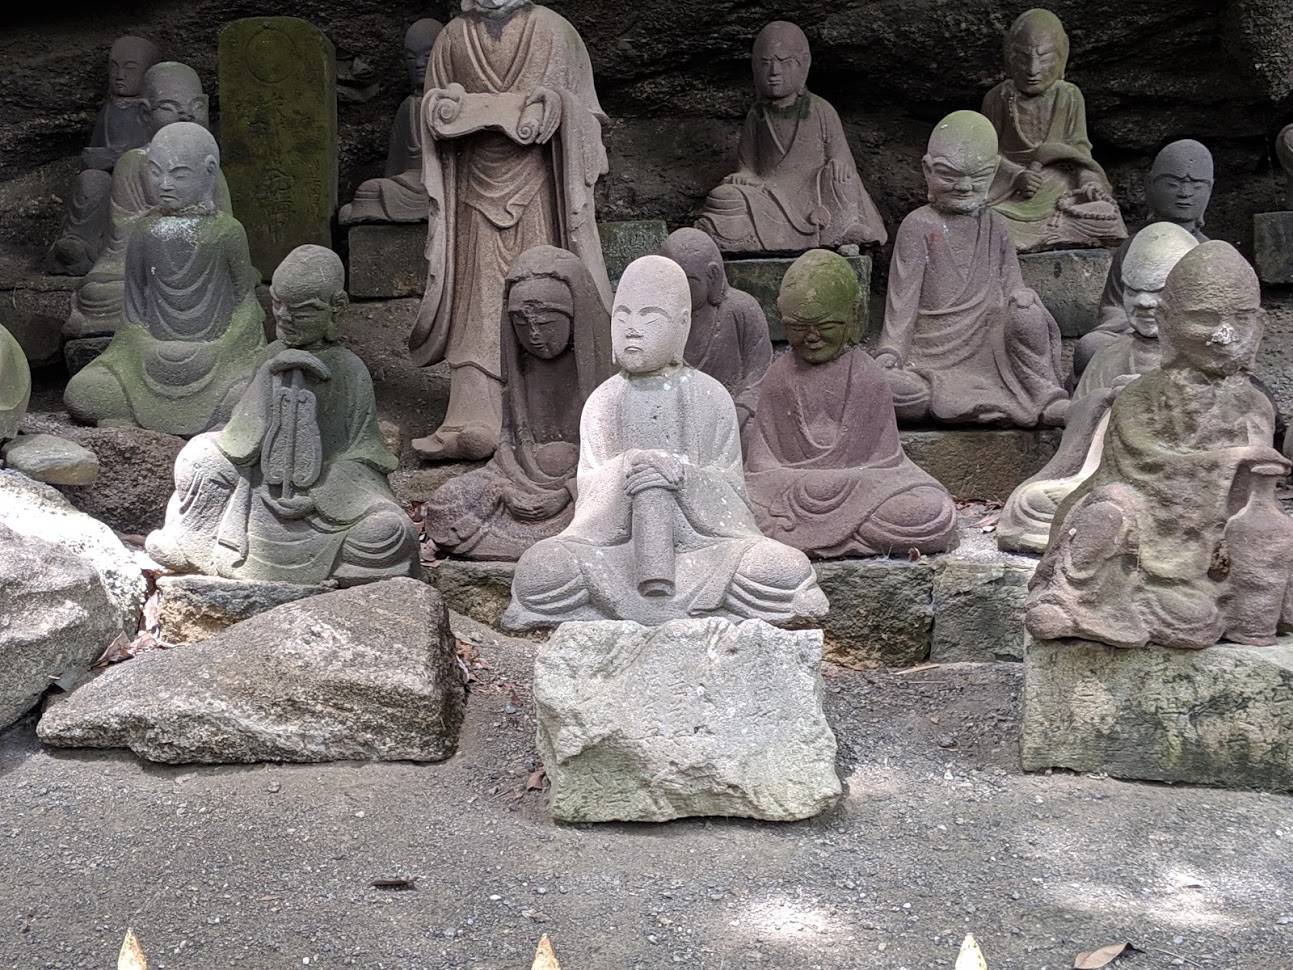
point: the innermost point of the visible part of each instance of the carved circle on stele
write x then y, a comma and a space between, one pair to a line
271, 55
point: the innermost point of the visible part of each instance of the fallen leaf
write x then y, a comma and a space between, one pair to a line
132, 954
535, 782
970, 957
916, 670
117, 650
1096, 959
395, 882
152, 614
913, 554
544, 958
988, 521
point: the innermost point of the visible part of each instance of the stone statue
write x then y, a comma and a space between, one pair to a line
796, 185
122, 124
192, 326
556, 342
1025, 523
15, 385
662, 527
1177, 538
964, 340
1048, 188
1179, 189
171, 92
1284, 152
294, 487
399, 195
511, 152
729, 338
825, 470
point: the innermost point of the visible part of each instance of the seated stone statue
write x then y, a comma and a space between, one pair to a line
192, 324
294, 487
15, 385
1049, 189
825, 470
662, 527
1284, 152
1179, 189
729, 337
964, 340
1025, 523
1177, 539
122, 124
796, 185
556, 350
171, 92
399, 195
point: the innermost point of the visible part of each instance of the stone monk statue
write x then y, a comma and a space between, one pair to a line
1177, 538
825, 470
1284, 153
1025, 524
662, 527
399, 195
796, 185
294, 487
964, 340
556, 341
511, 152
1048, 188
192, 324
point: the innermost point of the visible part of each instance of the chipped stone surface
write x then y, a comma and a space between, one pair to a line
979, 609
882, 611
387, 261
52, 460
195, 608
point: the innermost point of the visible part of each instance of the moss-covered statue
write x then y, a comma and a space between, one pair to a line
15, 385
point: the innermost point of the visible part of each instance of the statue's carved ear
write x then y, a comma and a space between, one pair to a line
715, 277
212, 166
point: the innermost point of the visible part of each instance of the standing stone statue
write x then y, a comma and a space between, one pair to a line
1284, 152
729, 337
556, 342
964, 340
1025, 524
15, 385
825, 470
662, 527
1048, 188
1177, 538
399, 195
192, 325
122, 124
294, 487
511, 152
796, 186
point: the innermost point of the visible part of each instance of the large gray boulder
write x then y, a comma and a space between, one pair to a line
367, 673
695, 717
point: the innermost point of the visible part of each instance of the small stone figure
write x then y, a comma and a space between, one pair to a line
122, 124
729, 337
1048, 188
399, 195
1284, 152
15, 385
825, 470
511, 153
796, 186
1177, 538
294, 487
556, 344
1025, 524
192, 324
964, 340
662, 528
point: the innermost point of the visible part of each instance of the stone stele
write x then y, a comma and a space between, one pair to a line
278, 132
695, 717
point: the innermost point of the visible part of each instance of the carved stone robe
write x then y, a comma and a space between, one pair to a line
730, 343
399, 195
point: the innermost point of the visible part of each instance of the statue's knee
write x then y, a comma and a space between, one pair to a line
387, 528
917, 509
725, 196
94, 395
776, 565
544, 567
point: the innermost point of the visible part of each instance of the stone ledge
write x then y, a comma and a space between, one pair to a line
1273, 247
761, 278
1070, 283
191, 609
984, 464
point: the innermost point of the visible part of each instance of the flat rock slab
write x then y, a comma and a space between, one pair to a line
387, 261
695, 717
623, 242
1273, 247
1070, 283
1219, 716
50, 459
367, 673
983, 464
761, 278
191, 609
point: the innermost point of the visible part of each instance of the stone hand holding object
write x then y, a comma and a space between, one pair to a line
531, 507
652, 469
549, 101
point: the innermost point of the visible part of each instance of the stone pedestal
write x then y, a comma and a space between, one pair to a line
1273, 247
1069, 282
695, 717
1218, 716
984, 464
623, 242
979, 607
195, 608
387, 261
761, 278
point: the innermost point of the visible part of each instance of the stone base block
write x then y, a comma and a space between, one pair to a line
480, 590
196, 608
986, 464
80, 351
1069, 282
1273, 246
695, 717
387, 260
979, 609
761, 278
882, 611
1219, 716
623, 242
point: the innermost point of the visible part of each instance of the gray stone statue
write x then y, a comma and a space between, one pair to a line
192, 324
1284, 152
796, 186
294, 487
662, 527
1176, 538
15, 385
399, 195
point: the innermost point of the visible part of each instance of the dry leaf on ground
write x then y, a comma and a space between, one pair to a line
970, 957
1097, 959
132, 954
544, 958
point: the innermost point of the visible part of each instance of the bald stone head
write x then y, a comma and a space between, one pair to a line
183, 164
960, 162
819, 301
1180, 183
781, 60
1153, 252
307, 294
1037, 51
173, 92
651, 316
1211, 318
128, 61
418, 41
698, 255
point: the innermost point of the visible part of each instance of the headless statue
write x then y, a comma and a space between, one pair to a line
294, 487
825, 470
964, 340
662, 528
796, 185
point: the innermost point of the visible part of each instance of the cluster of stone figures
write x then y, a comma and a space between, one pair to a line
649, 456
